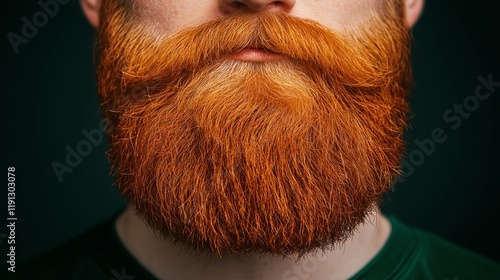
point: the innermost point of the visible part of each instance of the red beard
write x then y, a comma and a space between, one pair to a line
234, 157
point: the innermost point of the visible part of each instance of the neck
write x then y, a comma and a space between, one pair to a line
168, 261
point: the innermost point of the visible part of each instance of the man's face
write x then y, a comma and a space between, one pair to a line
246, 128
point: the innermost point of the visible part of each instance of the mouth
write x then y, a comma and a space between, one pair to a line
255, 53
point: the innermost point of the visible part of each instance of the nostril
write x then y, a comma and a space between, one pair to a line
236, 4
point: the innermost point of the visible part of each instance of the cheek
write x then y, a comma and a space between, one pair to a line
168, 16
340, 15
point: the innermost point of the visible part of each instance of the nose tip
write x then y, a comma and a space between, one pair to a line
261, 5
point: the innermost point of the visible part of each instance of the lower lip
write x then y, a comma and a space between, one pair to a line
256, 55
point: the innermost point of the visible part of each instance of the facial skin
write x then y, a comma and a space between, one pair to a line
369, 143
169, 16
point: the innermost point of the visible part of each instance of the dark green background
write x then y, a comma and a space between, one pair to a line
49, 93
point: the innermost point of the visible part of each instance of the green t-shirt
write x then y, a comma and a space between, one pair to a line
409, 253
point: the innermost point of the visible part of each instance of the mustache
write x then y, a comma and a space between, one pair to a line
298, 39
